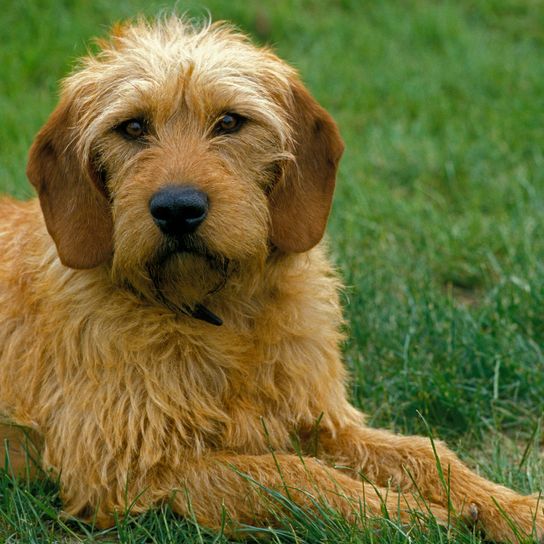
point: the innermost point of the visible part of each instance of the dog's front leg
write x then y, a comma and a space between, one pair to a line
238, 483
414, 464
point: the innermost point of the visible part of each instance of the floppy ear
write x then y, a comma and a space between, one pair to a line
73, 200
300, 203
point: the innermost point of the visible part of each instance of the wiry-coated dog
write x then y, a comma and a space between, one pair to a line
184, 181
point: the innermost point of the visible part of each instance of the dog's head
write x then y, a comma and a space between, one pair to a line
178, 150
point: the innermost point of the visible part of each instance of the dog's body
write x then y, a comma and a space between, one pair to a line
113, 357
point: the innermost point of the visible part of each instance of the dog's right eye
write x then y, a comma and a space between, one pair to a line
229, 123
133, 129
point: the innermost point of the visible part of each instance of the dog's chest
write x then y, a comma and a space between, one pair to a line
192, 391
231, 394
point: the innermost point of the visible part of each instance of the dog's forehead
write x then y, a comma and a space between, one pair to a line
210, 54
170, 63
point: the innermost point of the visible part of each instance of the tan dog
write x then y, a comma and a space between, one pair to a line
185, 179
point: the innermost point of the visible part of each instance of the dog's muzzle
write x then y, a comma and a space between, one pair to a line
178, 210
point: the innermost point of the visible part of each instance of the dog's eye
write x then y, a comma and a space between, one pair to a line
229, 123
132, 129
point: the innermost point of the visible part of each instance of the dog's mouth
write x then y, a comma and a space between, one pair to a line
188, 243
170, 271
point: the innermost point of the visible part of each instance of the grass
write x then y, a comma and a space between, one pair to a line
437, 226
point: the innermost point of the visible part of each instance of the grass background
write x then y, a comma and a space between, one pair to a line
437, 227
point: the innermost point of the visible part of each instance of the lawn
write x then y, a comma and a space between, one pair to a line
437, 227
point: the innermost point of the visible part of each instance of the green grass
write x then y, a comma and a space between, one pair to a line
437, 228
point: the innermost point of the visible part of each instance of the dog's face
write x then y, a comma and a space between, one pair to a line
176, 153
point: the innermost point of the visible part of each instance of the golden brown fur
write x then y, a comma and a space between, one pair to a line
135, 400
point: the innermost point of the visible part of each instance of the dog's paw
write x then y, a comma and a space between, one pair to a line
515, 519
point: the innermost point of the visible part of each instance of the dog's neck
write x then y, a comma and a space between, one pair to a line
204, 314
201, 312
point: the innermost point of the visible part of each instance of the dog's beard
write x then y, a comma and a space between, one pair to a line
184, 274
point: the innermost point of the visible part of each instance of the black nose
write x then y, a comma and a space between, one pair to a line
178, 210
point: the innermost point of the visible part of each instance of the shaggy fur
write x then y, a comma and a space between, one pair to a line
133, 398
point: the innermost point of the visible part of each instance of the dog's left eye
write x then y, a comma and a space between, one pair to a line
229, 123
132, 129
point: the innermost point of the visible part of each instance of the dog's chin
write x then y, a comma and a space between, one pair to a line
185, 273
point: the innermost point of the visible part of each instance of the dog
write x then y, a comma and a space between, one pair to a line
169, 318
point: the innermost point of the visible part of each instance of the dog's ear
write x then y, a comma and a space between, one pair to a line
301, 201
73, 200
